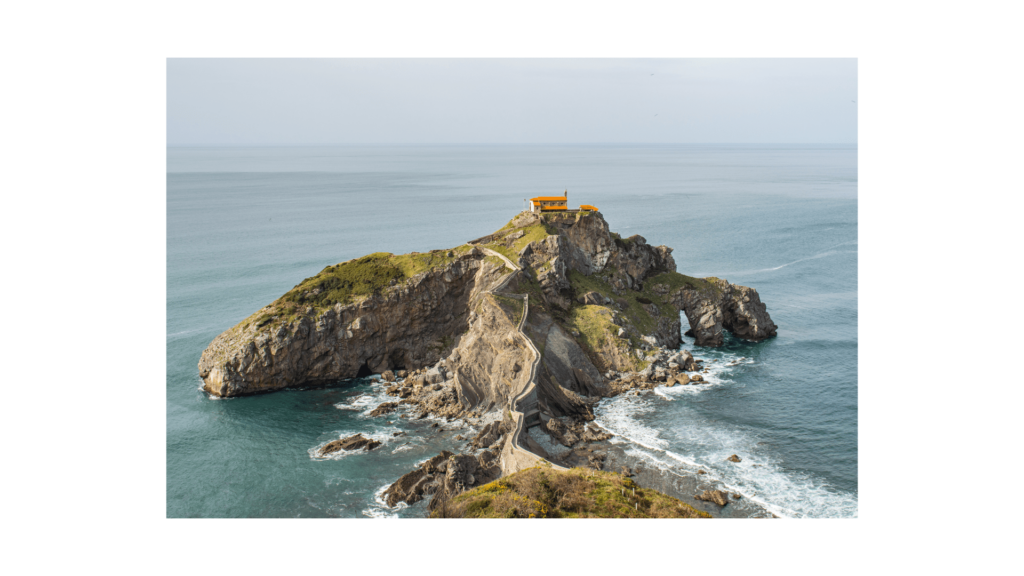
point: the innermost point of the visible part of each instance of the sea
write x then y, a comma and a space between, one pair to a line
246, 224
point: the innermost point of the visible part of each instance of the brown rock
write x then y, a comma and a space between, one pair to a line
734, 458
591, 298
412, 487
715, 305
385, 408
717, 496
701, 472
355, 442
388, 376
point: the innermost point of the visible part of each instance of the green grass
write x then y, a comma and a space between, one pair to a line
349, 281
675, 281
530, 286
512, 306
597, 332
594, 323
634, 311
543, 492
497, 262
538, 231
532, 233
503, 250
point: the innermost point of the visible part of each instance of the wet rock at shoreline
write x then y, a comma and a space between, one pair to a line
385, 408
717, 496
445, 476
355, 442
734, 458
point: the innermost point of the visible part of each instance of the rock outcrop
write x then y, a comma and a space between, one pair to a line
443, 476
449, 333
598, 304
717, 496
355, 442
406, 325
719, 306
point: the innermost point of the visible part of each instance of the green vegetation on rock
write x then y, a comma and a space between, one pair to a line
512, 306
594, 325
543, 492
361, 277
531, 233
635, 302
675, 281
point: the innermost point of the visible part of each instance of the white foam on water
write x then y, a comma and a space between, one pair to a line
358, 403
368, 401
698, 445
176, 335
380, 509
384, 436
617, 416
830, 251
548, 443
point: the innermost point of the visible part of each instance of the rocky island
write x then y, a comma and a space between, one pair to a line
521, 332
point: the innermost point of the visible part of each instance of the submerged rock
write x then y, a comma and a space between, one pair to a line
734, 458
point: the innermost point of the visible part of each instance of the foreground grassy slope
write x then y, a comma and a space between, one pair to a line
543, 492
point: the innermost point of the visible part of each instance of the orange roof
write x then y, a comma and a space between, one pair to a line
548, 199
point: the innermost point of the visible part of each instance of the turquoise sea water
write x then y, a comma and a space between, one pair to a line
247, 224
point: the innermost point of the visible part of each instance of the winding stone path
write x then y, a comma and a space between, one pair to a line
513, 456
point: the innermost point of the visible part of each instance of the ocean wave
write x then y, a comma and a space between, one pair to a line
384, 436
379, 508
692, 443
369, 401
830, 251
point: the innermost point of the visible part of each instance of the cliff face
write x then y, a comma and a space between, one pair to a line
597, 303
490, 360
409, 324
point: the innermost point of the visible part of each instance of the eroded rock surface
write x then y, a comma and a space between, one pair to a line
355, 442
717, 496
723, 306
408, 325
443, 476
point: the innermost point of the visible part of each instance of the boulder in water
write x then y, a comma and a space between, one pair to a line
717, 496
356, 442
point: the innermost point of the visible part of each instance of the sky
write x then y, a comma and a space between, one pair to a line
510, 101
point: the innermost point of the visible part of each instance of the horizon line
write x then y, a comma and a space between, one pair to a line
268, 145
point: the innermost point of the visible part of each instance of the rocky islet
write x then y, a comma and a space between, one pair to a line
602, 314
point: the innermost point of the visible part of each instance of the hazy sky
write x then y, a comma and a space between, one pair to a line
356, 101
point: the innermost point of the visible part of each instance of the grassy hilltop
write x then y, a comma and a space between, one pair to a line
543, 492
